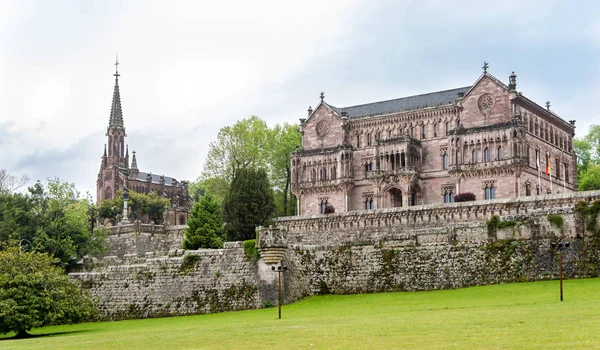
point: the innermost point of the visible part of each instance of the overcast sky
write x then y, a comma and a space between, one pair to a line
189, 68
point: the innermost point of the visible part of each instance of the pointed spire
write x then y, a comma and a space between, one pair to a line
116, 114
133, 161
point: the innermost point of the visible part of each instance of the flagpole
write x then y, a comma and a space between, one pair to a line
549, 170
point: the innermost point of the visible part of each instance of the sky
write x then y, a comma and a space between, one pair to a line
189, 68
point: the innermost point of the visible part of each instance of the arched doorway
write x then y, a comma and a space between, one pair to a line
395, 197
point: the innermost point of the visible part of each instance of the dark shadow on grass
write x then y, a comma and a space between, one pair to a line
30, 336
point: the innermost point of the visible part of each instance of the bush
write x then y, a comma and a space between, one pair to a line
329, 209
464, 197
250, 250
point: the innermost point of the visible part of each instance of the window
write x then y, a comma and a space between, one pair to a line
412, 131
314, 175
323, 203
435, 130
490, 191
333, 174
378, 135
557, 162
422, 132
369, 203
323, 174
445, 161
449, 195
357, 141
528, 189
447, 128
566, 172
500, 152
389, 134
486, 155
369, 139
475, 156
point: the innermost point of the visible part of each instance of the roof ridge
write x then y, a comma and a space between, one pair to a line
400, 98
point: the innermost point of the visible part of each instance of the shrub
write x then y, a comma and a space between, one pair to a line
250, 250
464, 197
329, 209
189, 261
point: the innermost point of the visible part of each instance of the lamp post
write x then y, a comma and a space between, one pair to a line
279, 270
125, 220
560, 246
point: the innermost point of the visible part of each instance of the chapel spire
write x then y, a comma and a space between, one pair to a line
116, 114
134, 162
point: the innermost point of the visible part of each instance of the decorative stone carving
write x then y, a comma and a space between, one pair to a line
322, 128
486, 103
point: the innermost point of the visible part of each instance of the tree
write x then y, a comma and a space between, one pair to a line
10, 183
216, 186
35, 293
205, 226
143, 207
237, 147
282, 140
52, 218
590, 179
248, 204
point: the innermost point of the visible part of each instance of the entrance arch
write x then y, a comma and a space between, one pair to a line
395, 197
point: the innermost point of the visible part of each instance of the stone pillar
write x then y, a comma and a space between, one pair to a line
346, 200
125, 220
298, 208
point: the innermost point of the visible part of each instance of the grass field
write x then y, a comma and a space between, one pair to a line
524, 315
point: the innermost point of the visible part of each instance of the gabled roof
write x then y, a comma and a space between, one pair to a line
155, 178
405, 103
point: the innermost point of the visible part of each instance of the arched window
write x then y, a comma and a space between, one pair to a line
486, 155
357, 141
566, 173
314, 175
396, 197
322, 205
108, 193
528, 189
490, 191
412, 131
323, 174
445, 161
389, 134
402, 160
369, 139
487, 192
435, 130
447, 128
368, 203
475, 156
499, 152
422, 132
181, 219
333, 174
366, 169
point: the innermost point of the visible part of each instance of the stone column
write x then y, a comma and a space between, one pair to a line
125, 220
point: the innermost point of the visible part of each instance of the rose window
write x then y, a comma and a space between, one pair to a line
322, 128
486, 102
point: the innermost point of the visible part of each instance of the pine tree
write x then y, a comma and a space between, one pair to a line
248, 204
204, 225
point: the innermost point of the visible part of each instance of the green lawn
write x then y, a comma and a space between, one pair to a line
524, 315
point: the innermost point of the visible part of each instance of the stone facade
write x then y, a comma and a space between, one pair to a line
138, 239
423, 247
486, 139
116, 174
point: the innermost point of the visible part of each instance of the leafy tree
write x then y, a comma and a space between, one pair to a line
583, 150
10, 183
248, 204
143, 207
282, 140
216, 186
35, 293
237, 147
205, 226
590, 179
52, 218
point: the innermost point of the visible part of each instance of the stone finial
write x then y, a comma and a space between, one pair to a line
512, 82
302, 121
485, 66
572, 122
310, 110
548, 105
322, 96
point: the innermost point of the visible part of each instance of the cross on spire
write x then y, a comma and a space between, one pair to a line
548, 105
322, 96
117, 67
485, 66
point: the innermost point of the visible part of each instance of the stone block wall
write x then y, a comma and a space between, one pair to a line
138, 239
180, 283
396, 249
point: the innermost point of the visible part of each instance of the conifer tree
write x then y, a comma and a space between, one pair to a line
205, 226
248, 204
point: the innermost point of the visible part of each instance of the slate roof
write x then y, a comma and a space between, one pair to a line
155, 178
405, 103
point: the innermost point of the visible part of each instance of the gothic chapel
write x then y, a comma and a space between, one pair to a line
116, 174
487, 139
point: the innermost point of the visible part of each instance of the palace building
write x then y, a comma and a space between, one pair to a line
487, 139
116, 173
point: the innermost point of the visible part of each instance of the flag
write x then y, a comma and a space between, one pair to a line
548, 162
538, 161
